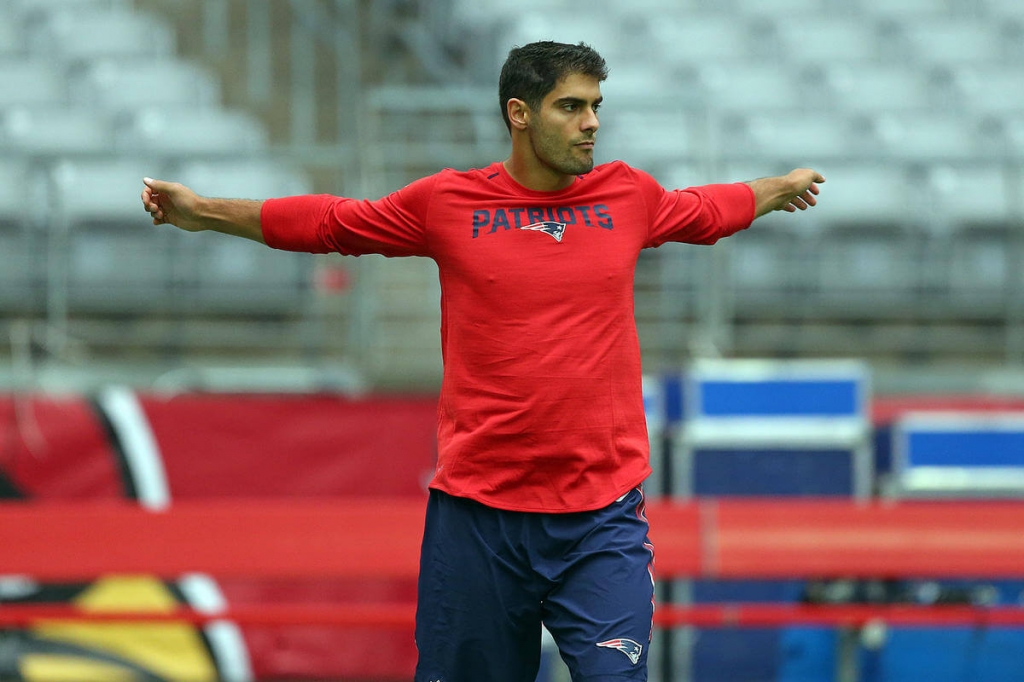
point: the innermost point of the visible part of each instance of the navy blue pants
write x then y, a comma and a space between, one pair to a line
489, 578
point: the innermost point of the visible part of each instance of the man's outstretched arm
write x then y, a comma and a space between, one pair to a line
791, 192
174, 204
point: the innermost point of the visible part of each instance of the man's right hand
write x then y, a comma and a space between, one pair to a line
173, 203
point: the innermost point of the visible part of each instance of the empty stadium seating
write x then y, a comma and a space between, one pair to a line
93, 96
10, 38
22, 242
955, 41
39, 130
121, 84
90, 32
906, 107
989, 89
182, 130
31, 81
816, 38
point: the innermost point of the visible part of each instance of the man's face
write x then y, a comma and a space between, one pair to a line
562, 132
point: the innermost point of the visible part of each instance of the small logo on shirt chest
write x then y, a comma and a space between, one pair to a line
556, 230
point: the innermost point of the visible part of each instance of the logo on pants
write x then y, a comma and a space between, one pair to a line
627, 646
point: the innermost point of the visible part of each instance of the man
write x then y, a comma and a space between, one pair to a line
536, 511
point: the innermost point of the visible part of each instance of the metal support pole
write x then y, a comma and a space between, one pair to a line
58, 249
847, 646
259, 51
216, 27
347, 50
303, 81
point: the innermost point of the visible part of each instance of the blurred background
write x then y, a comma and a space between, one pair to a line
911, 109
910, 272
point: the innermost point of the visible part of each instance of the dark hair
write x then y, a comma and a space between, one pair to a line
533, 70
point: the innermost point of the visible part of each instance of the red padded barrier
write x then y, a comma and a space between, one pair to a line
55, 447
819, 539
380, 537
261, 539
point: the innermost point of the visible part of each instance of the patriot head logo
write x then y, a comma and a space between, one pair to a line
627, 646
552, 228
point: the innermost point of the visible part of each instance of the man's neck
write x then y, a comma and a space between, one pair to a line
536, 176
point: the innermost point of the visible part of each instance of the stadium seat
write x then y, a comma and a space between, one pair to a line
30, 82
55, 131
1004, 8
788, 134
997, 136
869, 193
123, 85
856, 260
1012, 130
116, 260
992, 89
233, 275
10, 34
759, 8
771, 262
679, 175
981, 264
877, 88
616, 41
970, 194
954, 41
497, 11
12, 191
908, 8
655, 7
822, 39
117, 271
924, 136
242, 179
29, 7
698, 39
648, 138
79, 33
751, 86
630, 86
105, 191
184, 130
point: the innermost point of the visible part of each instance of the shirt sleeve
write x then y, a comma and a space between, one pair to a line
394, 225
696, 215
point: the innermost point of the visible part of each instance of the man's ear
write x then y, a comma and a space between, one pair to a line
518, 113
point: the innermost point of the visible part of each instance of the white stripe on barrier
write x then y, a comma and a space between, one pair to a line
145, 464
225, 638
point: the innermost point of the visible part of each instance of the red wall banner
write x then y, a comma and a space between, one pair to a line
124, 451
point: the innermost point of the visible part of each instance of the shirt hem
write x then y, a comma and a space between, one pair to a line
493, 503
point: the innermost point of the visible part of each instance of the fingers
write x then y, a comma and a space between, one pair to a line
151, 200
802, 201
151, 203
804, 186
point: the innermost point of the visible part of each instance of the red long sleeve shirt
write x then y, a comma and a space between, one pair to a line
540, 407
